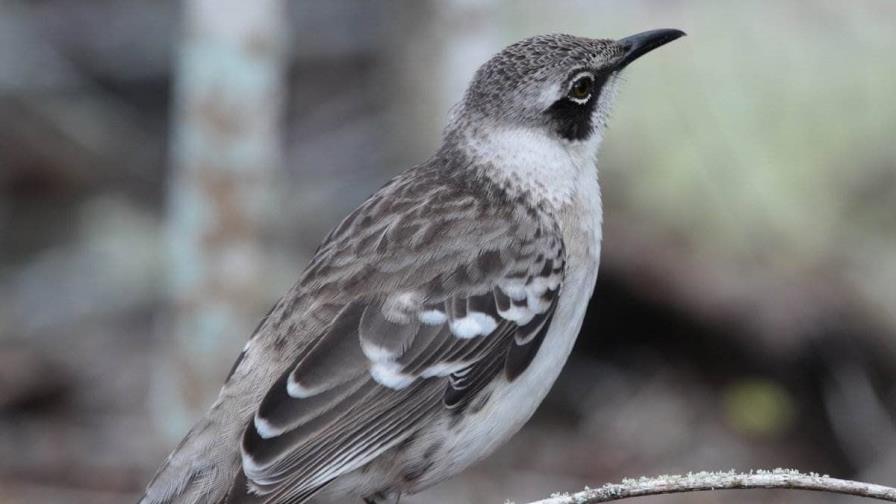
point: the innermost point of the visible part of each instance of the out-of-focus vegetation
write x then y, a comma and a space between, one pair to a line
773, 156
745, 314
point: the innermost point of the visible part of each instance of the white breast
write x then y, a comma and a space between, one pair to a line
512, 404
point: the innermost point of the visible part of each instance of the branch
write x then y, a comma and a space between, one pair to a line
702, 481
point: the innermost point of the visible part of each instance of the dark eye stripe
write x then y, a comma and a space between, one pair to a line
572, 117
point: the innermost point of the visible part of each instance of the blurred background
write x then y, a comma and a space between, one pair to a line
167, 168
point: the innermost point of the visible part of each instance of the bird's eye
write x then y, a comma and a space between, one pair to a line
581, 88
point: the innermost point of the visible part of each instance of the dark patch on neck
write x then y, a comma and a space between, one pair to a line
575, 121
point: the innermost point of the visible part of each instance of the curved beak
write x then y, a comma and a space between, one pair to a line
642, 43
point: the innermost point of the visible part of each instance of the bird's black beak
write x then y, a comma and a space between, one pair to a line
642, 43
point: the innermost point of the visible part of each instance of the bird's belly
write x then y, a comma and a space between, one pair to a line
511, 404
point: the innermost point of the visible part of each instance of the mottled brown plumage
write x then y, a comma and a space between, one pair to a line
432, 321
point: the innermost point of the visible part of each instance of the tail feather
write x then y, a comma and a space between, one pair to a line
198, 471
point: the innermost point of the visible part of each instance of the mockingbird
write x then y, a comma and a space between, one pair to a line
433, 320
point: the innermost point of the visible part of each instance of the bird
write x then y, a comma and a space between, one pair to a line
433, 320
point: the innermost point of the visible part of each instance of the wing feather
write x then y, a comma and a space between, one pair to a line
333, 360
437, 302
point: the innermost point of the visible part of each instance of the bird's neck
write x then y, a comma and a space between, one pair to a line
529, 163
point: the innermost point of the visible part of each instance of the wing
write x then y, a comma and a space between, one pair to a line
436, 295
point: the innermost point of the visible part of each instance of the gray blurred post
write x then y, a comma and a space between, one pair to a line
225, 156
434, 49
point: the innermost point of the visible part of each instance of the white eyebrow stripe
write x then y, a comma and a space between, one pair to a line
581, 74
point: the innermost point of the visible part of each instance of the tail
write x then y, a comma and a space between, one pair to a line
200, 470
206, 468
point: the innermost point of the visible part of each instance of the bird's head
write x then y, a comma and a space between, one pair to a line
560, 85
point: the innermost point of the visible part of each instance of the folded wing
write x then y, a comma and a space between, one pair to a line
400, 352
